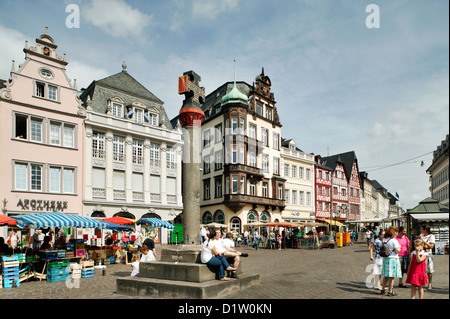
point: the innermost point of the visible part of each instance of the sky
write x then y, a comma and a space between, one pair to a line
340, 86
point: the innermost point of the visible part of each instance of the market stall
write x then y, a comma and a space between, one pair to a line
435, 215
51, 264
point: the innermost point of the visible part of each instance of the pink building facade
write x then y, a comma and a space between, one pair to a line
42, 135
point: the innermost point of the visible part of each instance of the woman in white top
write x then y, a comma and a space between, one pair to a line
430, 240
391, 264
147, 255
213, 258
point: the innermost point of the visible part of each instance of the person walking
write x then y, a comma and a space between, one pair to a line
391, 264
403, 255
368, 236
417, 270
430, 240
256, 239
374, 250
246, 238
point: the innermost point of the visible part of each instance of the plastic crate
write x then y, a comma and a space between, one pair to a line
61, 254
80, 253
30, 258
10, 270
11, 282
87, 273
58, 264
58, 271
70, 246
58, 277
9, 258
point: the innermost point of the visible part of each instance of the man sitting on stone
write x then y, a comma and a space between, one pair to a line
226, 245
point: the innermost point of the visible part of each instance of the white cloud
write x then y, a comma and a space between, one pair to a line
84, 74
12, 50
209, 9
116, 18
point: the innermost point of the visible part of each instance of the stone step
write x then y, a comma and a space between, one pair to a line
191, 272
160, 288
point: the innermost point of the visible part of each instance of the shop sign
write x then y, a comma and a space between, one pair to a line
42, 205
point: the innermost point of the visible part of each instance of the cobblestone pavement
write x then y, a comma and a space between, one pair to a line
285, 274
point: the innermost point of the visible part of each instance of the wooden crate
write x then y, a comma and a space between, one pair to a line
87, 263
8, 264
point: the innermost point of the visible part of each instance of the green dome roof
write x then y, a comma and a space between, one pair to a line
235, 96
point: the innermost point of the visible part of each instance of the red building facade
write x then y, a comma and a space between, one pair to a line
322, 189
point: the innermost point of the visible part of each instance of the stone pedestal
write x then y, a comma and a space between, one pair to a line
180, 274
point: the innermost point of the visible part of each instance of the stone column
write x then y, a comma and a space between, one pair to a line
191, 185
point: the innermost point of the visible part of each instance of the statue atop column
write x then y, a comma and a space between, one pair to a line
191, 117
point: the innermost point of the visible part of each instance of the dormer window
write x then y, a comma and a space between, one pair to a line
117, 109
152, 118
138, 116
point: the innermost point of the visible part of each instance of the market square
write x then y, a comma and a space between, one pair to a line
226, 164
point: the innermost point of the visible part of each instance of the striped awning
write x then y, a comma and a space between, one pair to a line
155, 222
45, 220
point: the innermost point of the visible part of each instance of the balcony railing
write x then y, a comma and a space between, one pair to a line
250, 170
237, 201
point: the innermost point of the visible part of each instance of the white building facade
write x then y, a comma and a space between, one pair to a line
298, 170
133, 155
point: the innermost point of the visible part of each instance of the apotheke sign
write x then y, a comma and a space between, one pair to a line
42, 205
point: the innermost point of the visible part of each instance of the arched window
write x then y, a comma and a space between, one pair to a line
98, 214
265, 217
207, 218
252, 217
219, 217
151, 215
125, 215
235, 225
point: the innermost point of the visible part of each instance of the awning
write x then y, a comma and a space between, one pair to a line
113, 226
431, 217
282, 224
8, 221
119, 220
45, 220
365, 221
333, 222
155, 222
214, 225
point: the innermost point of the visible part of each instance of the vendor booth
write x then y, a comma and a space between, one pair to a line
435, 215
47, 261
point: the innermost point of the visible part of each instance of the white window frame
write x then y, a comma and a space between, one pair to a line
98, 145
119, 148
138, 152
51, 133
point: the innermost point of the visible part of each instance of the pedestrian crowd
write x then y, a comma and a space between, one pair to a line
395, 256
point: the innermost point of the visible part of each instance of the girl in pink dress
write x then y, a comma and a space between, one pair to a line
417, 276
